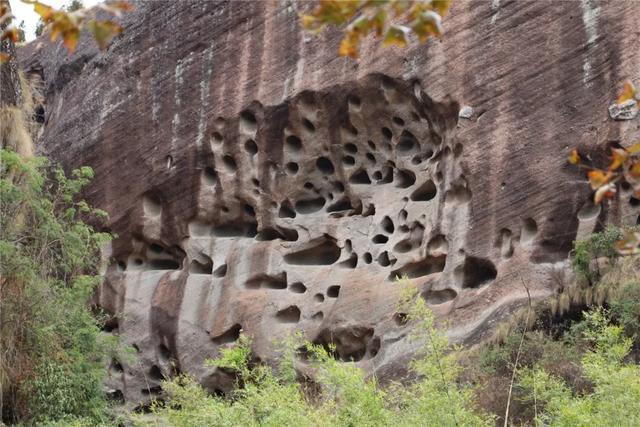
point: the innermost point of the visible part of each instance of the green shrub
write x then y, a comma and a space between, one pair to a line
344, 395
51, 366
625, 309
597, 245
615, 400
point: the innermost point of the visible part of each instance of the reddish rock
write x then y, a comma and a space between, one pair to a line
259, 183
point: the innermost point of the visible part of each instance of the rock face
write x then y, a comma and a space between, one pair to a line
259, 183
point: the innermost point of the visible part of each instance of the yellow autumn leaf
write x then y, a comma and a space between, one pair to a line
10, 34
103, 32
4, 57
441, 6
634, 149
628, 92
574, 157
428, 24
70, 39
634, 170
618, 158
598, 178
606, 191
396, 35
349, 46
45, 12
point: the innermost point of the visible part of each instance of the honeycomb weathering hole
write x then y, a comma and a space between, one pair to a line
325, 252
151, 205
423, 267
477, 272
425, 192
290, 314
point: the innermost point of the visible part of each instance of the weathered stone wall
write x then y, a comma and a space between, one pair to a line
257, 181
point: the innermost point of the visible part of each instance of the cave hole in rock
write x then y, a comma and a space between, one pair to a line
220, 271
377, 175
348, 246
405, 178
323, 251
290, 314
196, 267
458, 194
155, 373
398, 121
156, 248
350, 129
386, 175
318, 298
374, 347
416, 160
333, 291
267, 281
248, 122
274, 233
400, 319
380, 239
298, 288
425, 192
529, 231
152, 390
435, 297
505, 243
387, 225
308, 185
342, 204
325, 166
367, 258
402, 215
255, 182
360, 177
424, 267
634, 202
457, 150
229, 163
369, 210
338, 186
308, 125
383, 259
163, 352
116, 397
293, 143
151, 205
407, 142
350, 342
235, 229
350, 148
292, 168
286, 210
438, 245
348, 160
229, 336
318, 316
122, 266
371, 158
249, 210
350, 262
477, 271
115, 365
164, 264
372, 145
386, 132
589, 211
251, 147
354, 102
308, 206
217, 138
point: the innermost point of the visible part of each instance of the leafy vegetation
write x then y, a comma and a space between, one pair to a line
66, 24
336, 394
394, 20
51, 366
597, 245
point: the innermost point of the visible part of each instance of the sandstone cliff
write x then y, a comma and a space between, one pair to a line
258, 182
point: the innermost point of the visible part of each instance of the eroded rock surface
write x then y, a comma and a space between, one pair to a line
258, 183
